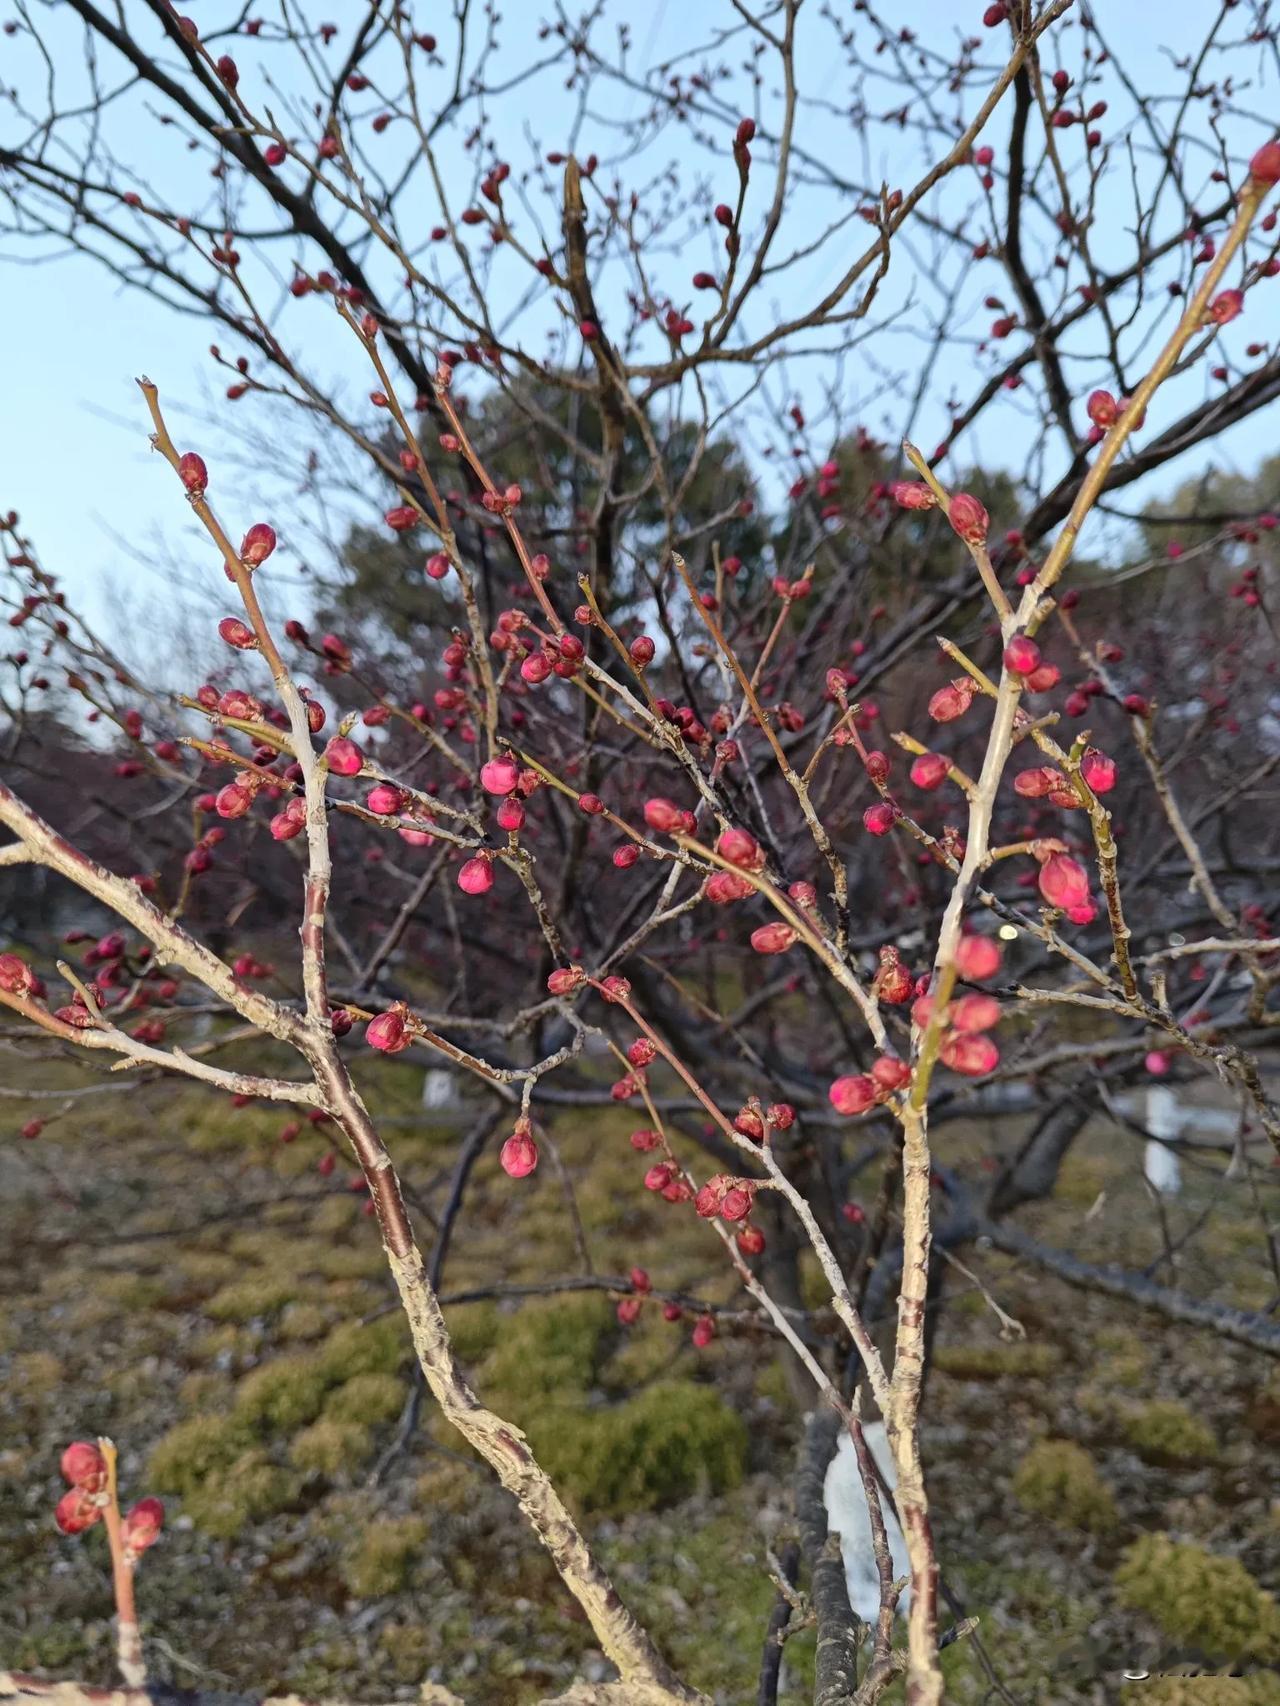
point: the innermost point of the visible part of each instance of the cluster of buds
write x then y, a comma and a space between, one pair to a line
84, 1465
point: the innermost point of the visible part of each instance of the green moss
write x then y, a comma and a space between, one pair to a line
1208, 1603
673, 1439
348, 1261
549, 1348
302, 1321
380, 1347
335, 1214
208, 1267
381, 1560
1121, 1358
35, 1374
332, 1447
249, 1299
283, 1394
994, 1362
474, 1330
195, 1451
251, 1488
1059, 1480
1262, 1690
1168, 1432
368, 1398
408, 1647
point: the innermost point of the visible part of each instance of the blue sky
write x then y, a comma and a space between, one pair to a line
75, 459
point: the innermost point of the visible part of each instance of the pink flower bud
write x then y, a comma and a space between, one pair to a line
238, 634
401, 518
853, 1095
1226, 306
725, 887
142, 1525
1265, 165
628, 1310
704, 1330
1042, 678
565, 979
258, 544
84, 1466
16, 976
977, 957
76, 1511
1021, 655
890, 1074
476, 876
953, 700
773, 938
1064, 882
912, 494
1098, 770
929, 771
519, 1154
388, 1031
969, 518
193, 473
499, 775
384, 799
344, 757
641, 651
233, 800
740, 849
975, 1013
969, 1053
1102, 409
880, 818
663, 815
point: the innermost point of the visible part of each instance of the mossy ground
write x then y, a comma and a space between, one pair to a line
175, 1277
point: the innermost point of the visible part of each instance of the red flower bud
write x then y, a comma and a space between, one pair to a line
853, 1095
193, 473
1064, 882
142, 1525
740, 849
890, 1074
16, 976
344, 757
258, 544
975, 1013
929, 771
641, 650
912, 494
969, 518
1265, 165
388, 1031
969, 1053
84, 1466
76, 1511
384, 799
880, 818
1098, 770
1021, 655
977, 957
663, 815
519, 1154
953, 700
773, 938
476, 876
499, 775
238, 634
402, 518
